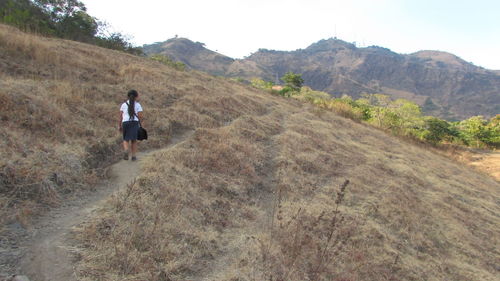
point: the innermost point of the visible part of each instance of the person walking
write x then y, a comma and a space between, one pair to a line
130, 116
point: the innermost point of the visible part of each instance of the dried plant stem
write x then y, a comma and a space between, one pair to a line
338, 201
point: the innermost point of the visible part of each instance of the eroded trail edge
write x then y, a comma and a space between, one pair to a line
48, 250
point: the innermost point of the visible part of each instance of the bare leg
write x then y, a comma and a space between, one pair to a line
134, 148
126, 150
125, 146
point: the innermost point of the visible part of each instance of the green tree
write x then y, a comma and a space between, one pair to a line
438, 130
379, 112
364, 105
409, 116
63, 18
401, 116
80, 26
492, 137
293, 80
61, 9
14, 14
25, 15
474, 130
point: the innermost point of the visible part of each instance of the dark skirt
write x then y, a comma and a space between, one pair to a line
130, 130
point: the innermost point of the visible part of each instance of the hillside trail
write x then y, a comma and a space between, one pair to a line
225, 267
48, 256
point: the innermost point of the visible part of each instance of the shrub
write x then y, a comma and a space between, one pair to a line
478, 132
288, 92
315, 97
293, 80
437, 130
344, 109
401, 117
168, 61
261, 84
239, 80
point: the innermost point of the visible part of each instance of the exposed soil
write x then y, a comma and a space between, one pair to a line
488, 162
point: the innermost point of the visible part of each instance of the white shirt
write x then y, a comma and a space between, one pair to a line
124, 110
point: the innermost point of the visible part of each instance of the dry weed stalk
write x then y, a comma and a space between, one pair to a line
300, 248
333, 227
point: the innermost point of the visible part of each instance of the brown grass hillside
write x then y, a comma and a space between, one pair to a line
253, 194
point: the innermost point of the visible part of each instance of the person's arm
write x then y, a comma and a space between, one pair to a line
120, 127
139, 115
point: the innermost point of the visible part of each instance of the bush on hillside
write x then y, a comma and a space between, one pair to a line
402, 117
239, 80
308, 94
168, 61
261, 84
288, 92
293, 80
438, 130
478, 132
344, 109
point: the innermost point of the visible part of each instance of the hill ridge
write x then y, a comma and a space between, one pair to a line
458, 88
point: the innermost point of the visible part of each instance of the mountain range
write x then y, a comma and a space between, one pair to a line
442, 83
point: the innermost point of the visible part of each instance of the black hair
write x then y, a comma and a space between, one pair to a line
132, 95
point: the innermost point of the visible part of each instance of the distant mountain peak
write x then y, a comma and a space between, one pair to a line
193, 54
175, 43
458, 88
330, 44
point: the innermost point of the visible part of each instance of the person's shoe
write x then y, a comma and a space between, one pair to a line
125, 156
134, 158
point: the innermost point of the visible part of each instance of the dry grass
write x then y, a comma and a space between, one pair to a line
58, 106
252, 194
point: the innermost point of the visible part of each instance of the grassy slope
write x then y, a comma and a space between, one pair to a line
250, 195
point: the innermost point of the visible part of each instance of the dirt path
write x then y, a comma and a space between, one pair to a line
48, 251
226, 263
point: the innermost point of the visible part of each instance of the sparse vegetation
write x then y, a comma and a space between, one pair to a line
337, 66
168, 61
201, 209
303, 246
400, 117
261, 84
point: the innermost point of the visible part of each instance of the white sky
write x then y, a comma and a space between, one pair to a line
467, 28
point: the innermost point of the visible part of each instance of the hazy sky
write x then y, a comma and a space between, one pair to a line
469, 29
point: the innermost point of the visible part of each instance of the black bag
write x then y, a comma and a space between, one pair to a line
142, 134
